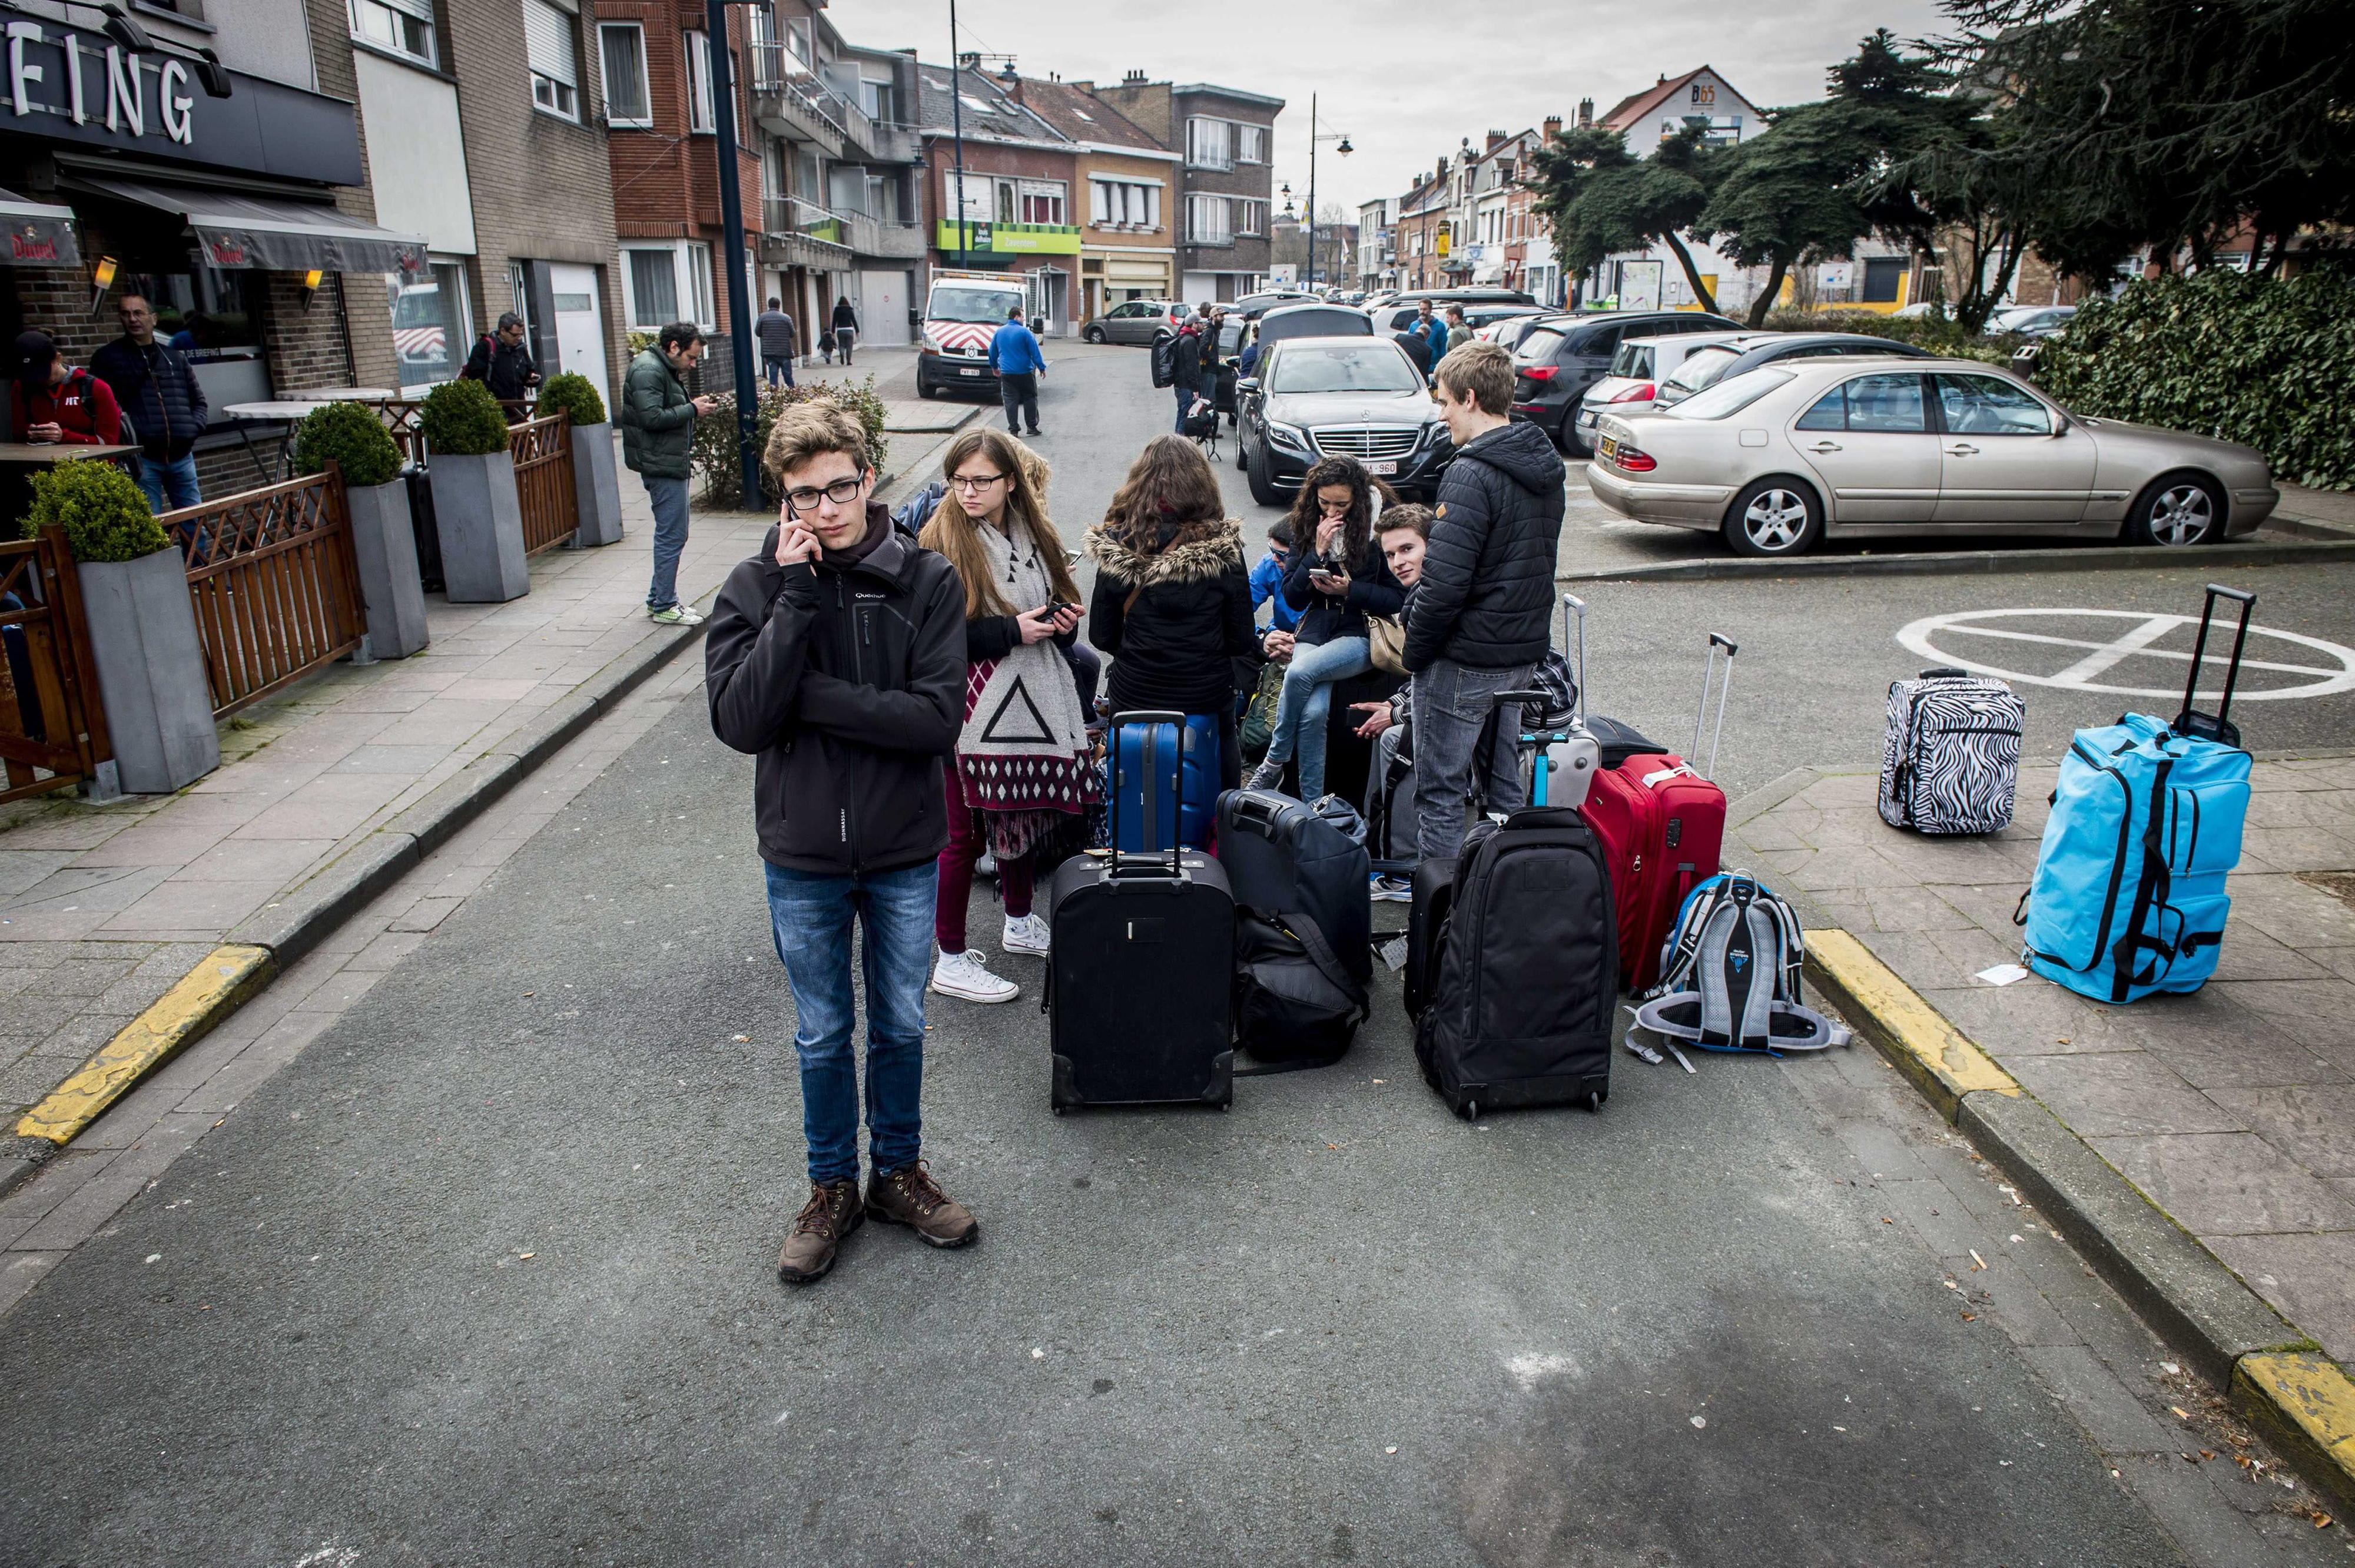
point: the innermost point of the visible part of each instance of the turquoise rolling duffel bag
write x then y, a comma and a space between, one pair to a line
2128, 896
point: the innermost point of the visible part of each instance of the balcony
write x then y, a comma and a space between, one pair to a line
799, 233
790, 101
883, 237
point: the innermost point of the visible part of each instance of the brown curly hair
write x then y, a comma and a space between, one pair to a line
1169, 490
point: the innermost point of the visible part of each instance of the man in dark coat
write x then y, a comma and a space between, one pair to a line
501, 362
1479, 622
161, 400
1188, 358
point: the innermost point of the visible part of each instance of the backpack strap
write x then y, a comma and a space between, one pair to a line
1302, 929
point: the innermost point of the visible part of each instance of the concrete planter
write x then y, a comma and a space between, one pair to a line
151, 671
384, 541
596, 487
481, 524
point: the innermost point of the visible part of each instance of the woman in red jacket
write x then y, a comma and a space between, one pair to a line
56, 402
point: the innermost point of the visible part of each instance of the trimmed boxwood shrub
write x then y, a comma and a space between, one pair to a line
2269, 362
572, 394
715, 437
349, 434
104, 513
463, 419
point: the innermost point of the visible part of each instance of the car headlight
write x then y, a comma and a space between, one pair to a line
1435, 433
1287, 435
926, 345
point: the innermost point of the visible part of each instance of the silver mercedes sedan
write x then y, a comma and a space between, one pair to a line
1782, 457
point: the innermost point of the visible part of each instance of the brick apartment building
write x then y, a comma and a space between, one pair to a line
1014, 206
1227, 139
1128, 222
1423, 219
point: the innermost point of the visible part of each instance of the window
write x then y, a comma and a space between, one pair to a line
1123, 204
429, 336
404, 26
653, 287
549, 41
628, 101
699, 269
1209, 144
1253, 218
700, 115
1251, 144
1890, 404
1206, 221
1730, 396
1377, 368
1042, 201
1985, 405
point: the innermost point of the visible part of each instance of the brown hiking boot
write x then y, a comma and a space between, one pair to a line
910, 1196
831, 1214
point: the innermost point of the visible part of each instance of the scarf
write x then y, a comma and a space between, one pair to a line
1023, 755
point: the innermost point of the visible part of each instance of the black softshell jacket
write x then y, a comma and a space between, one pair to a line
848, 684
1486, 592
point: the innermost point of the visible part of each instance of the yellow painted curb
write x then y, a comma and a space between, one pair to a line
2308, 1406
203, 996
1915, 1037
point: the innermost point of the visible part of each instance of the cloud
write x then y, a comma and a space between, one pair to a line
1407, 81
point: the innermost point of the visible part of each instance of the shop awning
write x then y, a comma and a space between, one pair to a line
40, 235
239, 229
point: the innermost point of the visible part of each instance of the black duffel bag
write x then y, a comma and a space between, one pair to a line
1294, 1005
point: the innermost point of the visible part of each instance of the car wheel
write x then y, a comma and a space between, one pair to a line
1774, 518
1262, 487
1094, 334
926, 389
1243, 457
2177, 509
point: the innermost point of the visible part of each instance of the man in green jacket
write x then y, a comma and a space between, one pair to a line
657, 441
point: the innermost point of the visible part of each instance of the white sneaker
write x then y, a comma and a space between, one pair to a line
1026, 934
961, 975
1393, 891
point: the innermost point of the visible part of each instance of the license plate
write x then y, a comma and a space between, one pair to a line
1608, 447
1586, 421
1386, 465
962, 372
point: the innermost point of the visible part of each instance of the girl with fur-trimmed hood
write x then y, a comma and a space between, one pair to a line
1172, 604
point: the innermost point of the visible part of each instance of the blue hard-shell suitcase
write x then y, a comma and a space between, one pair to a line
1149, 818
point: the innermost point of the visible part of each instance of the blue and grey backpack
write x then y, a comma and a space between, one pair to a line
1730, 974
2128, 897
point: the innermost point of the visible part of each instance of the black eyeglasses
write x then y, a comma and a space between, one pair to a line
842, 492
970, 482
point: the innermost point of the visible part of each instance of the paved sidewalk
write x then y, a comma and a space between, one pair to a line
2232, 1109
103, 908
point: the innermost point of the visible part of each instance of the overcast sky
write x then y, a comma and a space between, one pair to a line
1406, 80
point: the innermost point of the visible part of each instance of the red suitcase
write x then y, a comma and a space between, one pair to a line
1662, 826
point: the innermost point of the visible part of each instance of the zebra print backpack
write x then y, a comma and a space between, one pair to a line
1950, 757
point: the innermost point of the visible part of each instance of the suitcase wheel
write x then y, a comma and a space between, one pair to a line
1059, 1109
1594, 1102
1469, 1111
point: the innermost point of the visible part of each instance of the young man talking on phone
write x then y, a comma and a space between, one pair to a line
836, 656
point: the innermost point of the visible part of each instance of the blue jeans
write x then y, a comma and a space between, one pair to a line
811, 914
777, 370
1186, 396
669, 498
1308, 702
157, 476
1451, 703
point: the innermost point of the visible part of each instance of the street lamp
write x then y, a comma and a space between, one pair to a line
1345, 150
731, 224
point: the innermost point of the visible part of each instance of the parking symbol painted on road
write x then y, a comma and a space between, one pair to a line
2128, 642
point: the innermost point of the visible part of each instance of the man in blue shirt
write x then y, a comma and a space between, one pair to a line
1267, 578
1014, 354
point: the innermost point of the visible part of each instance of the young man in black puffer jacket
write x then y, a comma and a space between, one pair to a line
1479, 621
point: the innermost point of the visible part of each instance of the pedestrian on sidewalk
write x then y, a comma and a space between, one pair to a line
161, 400
845, 327
1459, 331
1185, 356
1431, 330
836, 657
501, 362
774, 329
657, 444
1479, 621
825, 345
60, 402
1172, 606
1014, 354
1022, 759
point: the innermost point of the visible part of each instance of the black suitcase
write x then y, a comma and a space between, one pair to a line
1518, 976
1138, 989
1303, 947
1433, 895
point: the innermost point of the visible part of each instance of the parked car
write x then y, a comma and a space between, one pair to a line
1632, 384
1563, 356
1269, 299
1507, 334
1137, 321
2033, 321
1357, 396
1398, 314
1779, 457
1312, 321
1749, 350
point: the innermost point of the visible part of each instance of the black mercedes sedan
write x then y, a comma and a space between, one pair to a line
1338, 397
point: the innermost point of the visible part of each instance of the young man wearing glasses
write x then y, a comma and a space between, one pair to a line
836, 656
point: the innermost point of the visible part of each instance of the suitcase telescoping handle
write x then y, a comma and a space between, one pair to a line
1484, 751
1148, 865
2199, 725
1724, 690
1572, 602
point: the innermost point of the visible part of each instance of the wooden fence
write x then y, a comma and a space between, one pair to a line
52, 726
543, 470
276, 584
401, 417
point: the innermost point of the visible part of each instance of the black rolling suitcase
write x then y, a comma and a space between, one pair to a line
1515, 973
1303, 953
1139, 982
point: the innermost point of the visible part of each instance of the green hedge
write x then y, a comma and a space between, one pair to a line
104, 512
570, 392
2268, 362
715, 436
352, 435
463, 419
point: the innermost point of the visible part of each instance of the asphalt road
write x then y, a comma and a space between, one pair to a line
486, 1275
